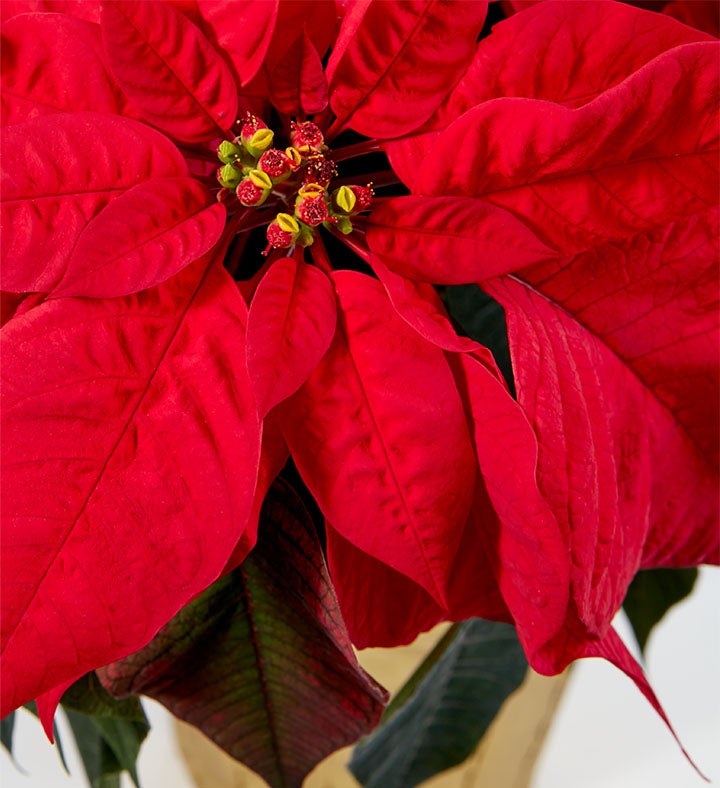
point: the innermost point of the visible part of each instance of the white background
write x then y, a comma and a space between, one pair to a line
605, 735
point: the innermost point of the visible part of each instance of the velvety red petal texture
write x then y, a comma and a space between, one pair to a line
451, 240
170, 70
142, 238
124, 437
54, 63
290, 326
379, 435
47, 202
623, 164
394, 63
297, 83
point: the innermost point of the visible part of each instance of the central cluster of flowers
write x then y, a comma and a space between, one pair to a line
297, 177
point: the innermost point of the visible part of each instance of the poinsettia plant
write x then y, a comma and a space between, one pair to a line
330, 321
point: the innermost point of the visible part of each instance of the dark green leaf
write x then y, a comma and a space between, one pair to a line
483, 320
107, 747
7, 725
449, 712
651, 594
88, 696
261, 662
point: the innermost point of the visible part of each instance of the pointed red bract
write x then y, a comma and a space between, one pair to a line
118, 456
142, 238
531, 55
395, 62
379, 436
170, 70
290, 326
451, 240
244, 35
297, 83
381, 607
54, 63
43, 209
625, 163
526, 545
601, 374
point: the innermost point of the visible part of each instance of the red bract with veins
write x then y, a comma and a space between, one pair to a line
224, 233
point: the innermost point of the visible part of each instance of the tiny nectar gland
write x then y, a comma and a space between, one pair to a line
296, 179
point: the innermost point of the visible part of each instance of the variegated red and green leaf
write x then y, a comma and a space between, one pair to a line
261, 662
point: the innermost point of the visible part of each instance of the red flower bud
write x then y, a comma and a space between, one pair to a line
311, 205
319, 170
306, 137
276, 163
363, 197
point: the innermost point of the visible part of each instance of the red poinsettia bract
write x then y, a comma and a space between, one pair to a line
566, 164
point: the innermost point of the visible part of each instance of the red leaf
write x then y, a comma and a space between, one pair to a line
242, 29
88, 10
568, 53
261, 662
703, 16
451, 240
526, 545
96, 157
379, 436
599, 370
54, 63
142, 238
297, 83
274, 454
614, 651
290, 327
420, 307
381, 607
169, 69
625, 163
393, 64
112, 451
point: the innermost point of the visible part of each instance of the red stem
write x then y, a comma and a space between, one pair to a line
378, 179
358, 149
354, 244
320, 257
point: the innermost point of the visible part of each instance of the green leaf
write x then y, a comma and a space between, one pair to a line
7, 726
88, 696
449, 712
261, 662
651, 594
107, 747
483, 320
